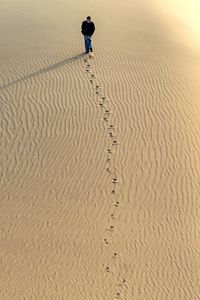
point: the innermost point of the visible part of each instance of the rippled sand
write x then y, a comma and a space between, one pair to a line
100, 180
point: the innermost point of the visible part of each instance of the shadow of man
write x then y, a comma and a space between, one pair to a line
44, 70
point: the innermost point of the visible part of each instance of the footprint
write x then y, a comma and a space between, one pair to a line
111, 127
106, 241
117, 295
123, 282
111, 132
115, 143
111, 228
114, 180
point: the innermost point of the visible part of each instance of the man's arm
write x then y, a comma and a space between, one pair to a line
82, 26
93, 30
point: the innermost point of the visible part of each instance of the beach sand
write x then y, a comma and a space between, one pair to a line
100, 161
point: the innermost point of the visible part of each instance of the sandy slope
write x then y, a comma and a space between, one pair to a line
99, 198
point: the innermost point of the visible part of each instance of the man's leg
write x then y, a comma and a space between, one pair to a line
90, 45
86, 44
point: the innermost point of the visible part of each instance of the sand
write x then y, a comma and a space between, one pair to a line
99, 198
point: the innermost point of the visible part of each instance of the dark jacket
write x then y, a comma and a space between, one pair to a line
87, 28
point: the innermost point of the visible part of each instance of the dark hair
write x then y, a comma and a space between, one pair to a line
88, 18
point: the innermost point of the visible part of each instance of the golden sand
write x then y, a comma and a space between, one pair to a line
100, 180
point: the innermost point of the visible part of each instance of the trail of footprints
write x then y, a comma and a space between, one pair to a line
111, 133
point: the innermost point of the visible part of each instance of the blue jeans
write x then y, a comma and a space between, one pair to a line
88, 43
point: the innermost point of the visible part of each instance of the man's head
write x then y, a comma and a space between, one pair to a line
88, 19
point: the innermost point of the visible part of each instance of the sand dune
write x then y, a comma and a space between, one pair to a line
100, 181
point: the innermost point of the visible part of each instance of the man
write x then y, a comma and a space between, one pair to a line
87, 30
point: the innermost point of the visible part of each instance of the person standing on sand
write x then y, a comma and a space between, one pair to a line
87, 30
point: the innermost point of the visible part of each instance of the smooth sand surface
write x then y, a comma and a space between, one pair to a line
99, 198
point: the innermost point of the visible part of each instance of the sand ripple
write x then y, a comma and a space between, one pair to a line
100, 177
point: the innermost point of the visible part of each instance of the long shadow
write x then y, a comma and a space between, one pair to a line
44, 70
